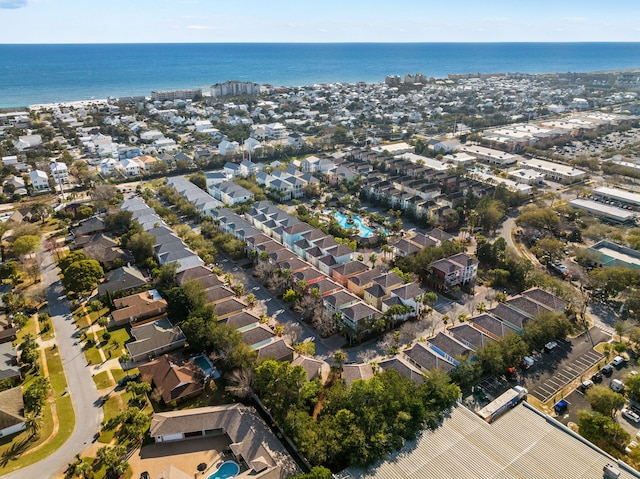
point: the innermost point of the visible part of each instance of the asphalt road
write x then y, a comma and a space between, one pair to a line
81, 387
275, 308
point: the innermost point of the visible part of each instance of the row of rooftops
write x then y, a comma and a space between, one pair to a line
445, 349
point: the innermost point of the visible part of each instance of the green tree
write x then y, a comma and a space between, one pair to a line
82, 276
25, 245
602, 431
114, 459
632, 386
317, 472
184, 299
138, 389
71, 258
604, 400
141, 246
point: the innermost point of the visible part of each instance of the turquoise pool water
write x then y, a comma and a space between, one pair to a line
226, 470
363, 230
206, 365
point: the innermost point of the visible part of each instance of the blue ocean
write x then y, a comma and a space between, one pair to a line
31, 74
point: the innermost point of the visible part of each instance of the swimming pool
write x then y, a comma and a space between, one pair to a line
226, 470
206, 365
363, 230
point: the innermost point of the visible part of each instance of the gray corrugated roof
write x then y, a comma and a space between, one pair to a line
522, 444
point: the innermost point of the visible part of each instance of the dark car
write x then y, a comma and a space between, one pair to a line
597, 378
128, 378
607, 370
145, 475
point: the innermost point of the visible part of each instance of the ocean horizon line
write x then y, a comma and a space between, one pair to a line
605, 42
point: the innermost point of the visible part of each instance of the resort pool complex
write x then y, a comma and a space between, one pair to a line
225, 471
356, 222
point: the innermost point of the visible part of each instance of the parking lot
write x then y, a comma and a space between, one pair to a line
568, 362
577, 400
553, 371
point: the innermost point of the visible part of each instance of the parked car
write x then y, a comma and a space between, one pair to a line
617, 361
617, 385
527, 362
632, 445
630, 415
607, 370
586, 384
128, 378
597, 378
550, 346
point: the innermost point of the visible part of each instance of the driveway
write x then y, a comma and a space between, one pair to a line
82, 389
276, 308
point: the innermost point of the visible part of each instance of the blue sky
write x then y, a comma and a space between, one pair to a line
132, 21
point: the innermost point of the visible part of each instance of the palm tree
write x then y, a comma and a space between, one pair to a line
372, 259
445, 320
80, 469
386, 249
339, 357
33, 423
251, 300
481, 307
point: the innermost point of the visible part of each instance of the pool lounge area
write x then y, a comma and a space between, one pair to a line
355, 223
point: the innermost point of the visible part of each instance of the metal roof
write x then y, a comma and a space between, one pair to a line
523, 444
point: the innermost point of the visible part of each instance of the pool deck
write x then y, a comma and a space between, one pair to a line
185, 455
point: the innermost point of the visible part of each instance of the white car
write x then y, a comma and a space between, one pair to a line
632, 445
630, 415
550, 346
617, 361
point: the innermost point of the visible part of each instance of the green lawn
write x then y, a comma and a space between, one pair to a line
121, 336
102, 380
118, 374
93, 355
95, 315
66, 419
29, 328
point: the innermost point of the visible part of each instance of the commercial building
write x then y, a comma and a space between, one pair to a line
171, 95
235, 88
555, 171
489, 155
619, 197
602, 210
522, 443
613, 254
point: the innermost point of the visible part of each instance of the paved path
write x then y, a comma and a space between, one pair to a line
82, 389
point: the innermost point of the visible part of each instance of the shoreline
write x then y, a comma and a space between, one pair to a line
80, 103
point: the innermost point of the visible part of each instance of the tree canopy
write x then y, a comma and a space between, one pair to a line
82, 276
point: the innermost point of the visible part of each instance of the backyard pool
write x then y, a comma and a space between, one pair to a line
363, 230
226, 470
206, 365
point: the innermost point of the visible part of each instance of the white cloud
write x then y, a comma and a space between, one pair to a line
199, 27
13, 4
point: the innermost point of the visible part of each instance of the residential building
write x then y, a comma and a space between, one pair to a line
175, 379
153, 339
39, 181
459, 269
12, 419
138, 307
59, 172
251, 441
555, 171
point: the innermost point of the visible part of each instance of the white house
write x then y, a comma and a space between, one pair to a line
39, 180
151, 135
228, 147
130, 167
60, 172
109, 166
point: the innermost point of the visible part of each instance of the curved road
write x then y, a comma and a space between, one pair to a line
84, 395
